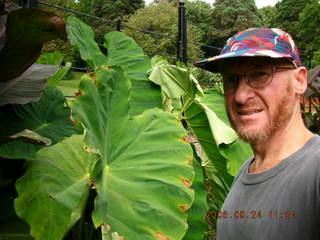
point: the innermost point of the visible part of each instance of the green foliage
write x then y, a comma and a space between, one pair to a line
288, 13
164, 23
26, 31
122, 51
111, 10
268, 14
55, 58
125, 168
197, 213
122, 156
302, 30
200, 13
48, 118
28, 86
230, 17
206, 116
309, 33
207, 79
51, 200
315, 61
134, 160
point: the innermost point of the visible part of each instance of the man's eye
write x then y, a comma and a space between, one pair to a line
259, 74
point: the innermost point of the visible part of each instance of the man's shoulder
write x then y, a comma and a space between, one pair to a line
312, 148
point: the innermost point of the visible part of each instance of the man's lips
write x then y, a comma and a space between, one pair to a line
249, 111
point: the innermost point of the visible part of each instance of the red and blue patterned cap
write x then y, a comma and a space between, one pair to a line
255, 42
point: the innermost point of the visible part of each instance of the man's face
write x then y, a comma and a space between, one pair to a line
256, 113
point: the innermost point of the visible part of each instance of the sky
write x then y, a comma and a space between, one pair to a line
259, 3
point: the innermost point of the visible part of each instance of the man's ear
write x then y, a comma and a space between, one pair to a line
300, 80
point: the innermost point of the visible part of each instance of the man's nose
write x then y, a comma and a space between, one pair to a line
243, 91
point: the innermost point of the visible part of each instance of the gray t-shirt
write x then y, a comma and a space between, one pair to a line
282, 203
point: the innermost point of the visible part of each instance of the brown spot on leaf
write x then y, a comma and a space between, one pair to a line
186, 182
107, 67
106, 226
79, 93
190, 160
50, 196
185, 208
92, 184
88, 150
186, 139
91, 181
93, 77
160, 236
74, 122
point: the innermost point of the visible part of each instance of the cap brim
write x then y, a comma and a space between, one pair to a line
213, 64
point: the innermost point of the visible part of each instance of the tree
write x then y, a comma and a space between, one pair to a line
288, 19
162, 18
230, 17
288, 12
268, 14
309, 34
199, 13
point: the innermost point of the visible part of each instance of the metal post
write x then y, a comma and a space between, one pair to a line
182, 38
119, 25
29, 3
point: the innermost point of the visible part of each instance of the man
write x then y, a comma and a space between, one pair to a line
276, 194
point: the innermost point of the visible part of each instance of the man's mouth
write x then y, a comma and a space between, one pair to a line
249, 111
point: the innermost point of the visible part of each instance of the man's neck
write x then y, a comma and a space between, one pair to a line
283, 143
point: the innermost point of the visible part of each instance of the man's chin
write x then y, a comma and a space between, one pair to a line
253, 136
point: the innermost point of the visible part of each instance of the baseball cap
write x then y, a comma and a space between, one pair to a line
255, 42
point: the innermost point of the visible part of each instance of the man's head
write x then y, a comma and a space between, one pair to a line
263, 81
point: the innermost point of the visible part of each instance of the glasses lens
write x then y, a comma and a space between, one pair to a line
259, 79
230, 82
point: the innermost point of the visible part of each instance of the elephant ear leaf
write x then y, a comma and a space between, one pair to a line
82, 38
54, 190
144, 175
198, 212
46, 121
122, 51
28, 87
26, 31
126, 53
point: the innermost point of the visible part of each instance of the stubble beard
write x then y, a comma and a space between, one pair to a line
285, 110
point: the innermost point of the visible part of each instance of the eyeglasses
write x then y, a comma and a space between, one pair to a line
255, 79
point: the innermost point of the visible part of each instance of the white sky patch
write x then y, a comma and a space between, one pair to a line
259, 3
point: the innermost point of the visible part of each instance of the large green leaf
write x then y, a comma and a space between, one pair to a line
51, 58
144, 175
218, 175
82, 37
55, 188
122, 51
198, 212
55, 58
48, 118
26, 31
126, 53
229, 145
28, 87
177, 84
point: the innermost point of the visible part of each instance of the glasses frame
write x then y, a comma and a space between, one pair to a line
273, 69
